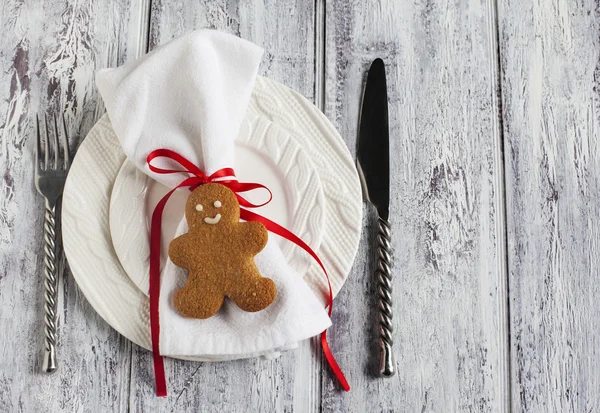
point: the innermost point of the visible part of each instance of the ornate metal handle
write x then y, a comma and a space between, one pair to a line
384, 278
51, 291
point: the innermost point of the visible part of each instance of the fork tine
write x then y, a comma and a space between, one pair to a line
46, 148
37, 141
56, 147
65, 144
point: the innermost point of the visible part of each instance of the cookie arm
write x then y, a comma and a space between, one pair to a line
178, 251
253, 236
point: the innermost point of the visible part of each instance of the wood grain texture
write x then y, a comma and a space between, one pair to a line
550, 59
449, 63
446, 207
49, 51
285, 29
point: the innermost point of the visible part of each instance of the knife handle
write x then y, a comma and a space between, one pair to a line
384, 279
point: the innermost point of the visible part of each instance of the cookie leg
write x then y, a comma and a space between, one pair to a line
253, 292
198, 302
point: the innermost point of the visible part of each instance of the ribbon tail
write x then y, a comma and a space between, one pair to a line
154, 293
337, 371
159, 375
154, 290
285, 233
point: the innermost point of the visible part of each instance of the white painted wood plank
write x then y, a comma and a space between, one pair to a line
447, 223
49, 51
285, 29
550, 70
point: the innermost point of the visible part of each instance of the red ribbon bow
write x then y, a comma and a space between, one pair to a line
196, 179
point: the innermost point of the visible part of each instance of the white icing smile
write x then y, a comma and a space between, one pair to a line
214, 220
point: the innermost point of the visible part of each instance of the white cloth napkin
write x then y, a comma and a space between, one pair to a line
190, 95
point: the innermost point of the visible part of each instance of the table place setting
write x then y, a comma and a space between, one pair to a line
213, 214
249, 206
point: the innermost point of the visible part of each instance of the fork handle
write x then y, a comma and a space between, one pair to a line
384, 280
51, 290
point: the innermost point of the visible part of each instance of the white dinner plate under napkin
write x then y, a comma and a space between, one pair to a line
86, 202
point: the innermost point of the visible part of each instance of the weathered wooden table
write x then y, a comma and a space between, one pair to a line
495, 120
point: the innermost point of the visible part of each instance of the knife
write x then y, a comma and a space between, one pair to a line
373, 166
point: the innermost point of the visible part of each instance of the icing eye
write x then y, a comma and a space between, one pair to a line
199, 207
217, 204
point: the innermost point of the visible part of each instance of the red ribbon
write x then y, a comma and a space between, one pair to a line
196, 179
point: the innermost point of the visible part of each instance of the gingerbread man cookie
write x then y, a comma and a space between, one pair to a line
218, 251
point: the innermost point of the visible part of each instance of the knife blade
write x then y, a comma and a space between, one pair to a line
373, 140
373, 164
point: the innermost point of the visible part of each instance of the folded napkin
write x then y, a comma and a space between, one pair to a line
190, 95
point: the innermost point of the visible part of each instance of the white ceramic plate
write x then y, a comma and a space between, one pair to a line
86, 201
265, 153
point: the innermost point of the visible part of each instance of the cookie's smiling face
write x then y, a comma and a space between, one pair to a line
212, 205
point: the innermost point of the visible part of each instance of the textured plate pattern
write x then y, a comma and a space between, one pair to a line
303, 185
128, 227
87, 239
335, 166
302, 192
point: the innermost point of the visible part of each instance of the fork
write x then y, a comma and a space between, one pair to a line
49, 180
